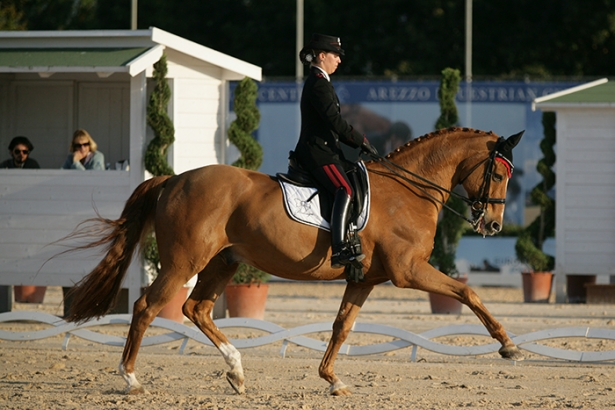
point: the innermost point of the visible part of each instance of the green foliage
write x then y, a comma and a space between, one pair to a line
240, 134
250, 275
530, 242
446, 94
158, 119
450, 228
240, 130
150, 253
449, 232
164, 135
11, 18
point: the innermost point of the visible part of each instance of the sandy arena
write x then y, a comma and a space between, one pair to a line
40, 375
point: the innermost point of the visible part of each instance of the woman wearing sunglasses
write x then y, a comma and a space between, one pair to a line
20, 149
83, 153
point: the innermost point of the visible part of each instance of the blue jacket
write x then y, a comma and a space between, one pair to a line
97, 162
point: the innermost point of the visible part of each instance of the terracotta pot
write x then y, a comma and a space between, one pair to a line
537, 286
441, 304
29, 294
247, 300
576, 287
173, 309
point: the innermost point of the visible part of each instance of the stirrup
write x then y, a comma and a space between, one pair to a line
345, 256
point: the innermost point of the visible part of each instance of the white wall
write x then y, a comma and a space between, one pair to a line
196, 112
585, 172
38, 207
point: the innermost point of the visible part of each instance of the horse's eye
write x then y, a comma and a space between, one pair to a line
497, 177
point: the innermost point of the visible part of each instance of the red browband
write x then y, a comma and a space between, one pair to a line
506, 164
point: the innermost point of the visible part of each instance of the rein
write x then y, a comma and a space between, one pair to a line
477, 206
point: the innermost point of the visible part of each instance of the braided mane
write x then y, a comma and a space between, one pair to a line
439, 133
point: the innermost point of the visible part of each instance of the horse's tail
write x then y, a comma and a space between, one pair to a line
97, 292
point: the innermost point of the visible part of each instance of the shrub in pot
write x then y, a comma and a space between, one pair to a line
246, 294
537, 282
450, 227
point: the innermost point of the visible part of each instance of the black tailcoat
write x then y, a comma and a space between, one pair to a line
322, 126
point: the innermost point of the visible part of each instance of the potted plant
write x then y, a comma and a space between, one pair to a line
29, 293
537, 282
450, 227
156, 164
246, 294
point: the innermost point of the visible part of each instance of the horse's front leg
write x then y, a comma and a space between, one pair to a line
426, 277
354, 297
198, 308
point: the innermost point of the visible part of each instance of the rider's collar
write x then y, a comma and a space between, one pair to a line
324, 72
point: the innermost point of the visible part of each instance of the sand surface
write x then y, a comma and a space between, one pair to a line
40, 375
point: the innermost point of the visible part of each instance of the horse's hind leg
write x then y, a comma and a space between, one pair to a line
145, 310
211, 283
354, 297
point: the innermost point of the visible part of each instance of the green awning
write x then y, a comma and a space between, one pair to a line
82, 57
599, 93
603, 93
53, 60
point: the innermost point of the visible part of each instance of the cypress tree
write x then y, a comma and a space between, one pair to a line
530, 241
157, 118
240, 130
164, 135
450, 227
240, 135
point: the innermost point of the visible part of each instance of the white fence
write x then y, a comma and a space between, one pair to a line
402, 338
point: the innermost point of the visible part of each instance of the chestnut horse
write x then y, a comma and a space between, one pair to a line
208, 220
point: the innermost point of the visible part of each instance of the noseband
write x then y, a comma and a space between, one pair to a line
477, 205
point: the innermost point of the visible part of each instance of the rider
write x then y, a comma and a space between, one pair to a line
322, 129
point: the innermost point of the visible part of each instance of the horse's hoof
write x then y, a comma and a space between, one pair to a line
236, 382
136, 390
339, 389
511, 353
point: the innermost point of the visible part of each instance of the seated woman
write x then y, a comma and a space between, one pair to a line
83, 153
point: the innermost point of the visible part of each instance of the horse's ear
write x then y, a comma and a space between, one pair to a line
513, 140
505, 146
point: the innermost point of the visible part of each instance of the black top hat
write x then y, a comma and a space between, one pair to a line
21, 140
320, 42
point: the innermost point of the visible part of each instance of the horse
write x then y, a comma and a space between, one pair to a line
208, 220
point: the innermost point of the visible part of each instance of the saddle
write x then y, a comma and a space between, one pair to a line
299, 190
357, 175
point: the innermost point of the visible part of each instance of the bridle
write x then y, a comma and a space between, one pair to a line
478, 205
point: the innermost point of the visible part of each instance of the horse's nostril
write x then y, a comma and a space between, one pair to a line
496, 226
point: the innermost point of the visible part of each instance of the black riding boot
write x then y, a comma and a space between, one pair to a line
342, 252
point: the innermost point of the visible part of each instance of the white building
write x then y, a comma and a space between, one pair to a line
585, 180
53, 82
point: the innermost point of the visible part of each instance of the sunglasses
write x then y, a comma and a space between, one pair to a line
21, 151
77, 146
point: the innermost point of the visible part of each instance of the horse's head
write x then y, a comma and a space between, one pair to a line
487, 189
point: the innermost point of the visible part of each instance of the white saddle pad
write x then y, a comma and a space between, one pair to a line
303, 205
